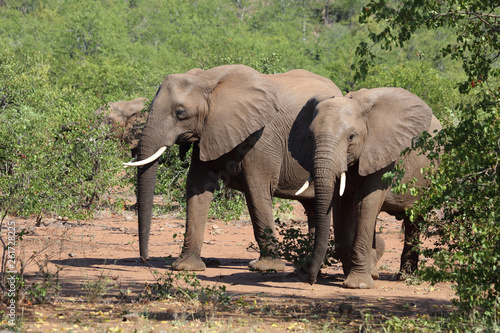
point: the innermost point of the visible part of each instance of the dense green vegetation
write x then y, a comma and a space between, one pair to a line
61, 60
94, 52
461, 209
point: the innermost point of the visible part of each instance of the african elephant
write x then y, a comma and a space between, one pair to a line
358, 138
239, 123
125, 119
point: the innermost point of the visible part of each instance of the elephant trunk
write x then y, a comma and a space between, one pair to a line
146, 181
326, 166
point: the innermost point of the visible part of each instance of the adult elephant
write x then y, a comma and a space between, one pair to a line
358, 138
239, 121
125, 119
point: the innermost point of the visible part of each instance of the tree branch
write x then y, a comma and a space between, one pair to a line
480, 16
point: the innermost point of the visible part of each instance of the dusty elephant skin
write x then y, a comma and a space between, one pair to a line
362, 135
240, 125
125, 119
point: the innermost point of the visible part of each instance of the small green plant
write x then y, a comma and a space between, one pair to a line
41, 292
96, 288
15, 285
227, 204
295, 246
185, 285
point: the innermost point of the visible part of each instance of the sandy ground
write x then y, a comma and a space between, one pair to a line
81, 251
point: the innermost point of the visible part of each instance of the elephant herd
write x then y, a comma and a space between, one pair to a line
291, 135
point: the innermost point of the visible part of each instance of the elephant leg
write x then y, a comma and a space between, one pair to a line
200, 186
343, 229
260, 207
369, 199
409, 256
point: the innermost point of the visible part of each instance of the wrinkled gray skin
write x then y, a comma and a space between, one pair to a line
239, 122
363, 134
125, 120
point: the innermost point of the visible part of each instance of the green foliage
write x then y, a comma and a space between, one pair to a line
295, 246
63, 59
446, 323
465, 189
461, 208
419, 78
186, 285
54, 159
171, 178
96, 288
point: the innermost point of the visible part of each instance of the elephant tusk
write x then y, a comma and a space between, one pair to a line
147, 160
305, 186
342, 184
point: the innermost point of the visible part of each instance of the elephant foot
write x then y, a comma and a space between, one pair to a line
359, 281
294, 277
267, 264
374, 273
187, 262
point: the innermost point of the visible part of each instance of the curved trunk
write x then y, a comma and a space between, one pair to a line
326, 168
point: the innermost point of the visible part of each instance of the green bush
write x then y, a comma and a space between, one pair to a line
465, 191
53, 157
461, 208
420, 78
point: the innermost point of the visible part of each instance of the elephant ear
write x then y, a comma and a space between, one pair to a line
394, 116
242, 102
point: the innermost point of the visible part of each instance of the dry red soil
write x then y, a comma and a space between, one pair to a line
81, 251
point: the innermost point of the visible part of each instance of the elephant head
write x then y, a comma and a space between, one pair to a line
125, 119
364, 131
218, 109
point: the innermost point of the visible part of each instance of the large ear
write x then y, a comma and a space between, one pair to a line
242, 102
394, 116
300, 140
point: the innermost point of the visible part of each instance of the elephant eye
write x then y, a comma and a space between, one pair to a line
181, 114
351, 137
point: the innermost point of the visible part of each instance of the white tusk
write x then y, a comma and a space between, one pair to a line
147, 160
305, 186
342, 184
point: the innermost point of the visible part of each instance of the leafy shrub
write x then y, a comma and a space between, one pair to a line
53, 156
461, 208
185, 285
295, 246
419, 78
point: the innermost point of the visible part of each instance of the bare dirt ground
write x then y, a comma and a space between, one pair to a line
105, 288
